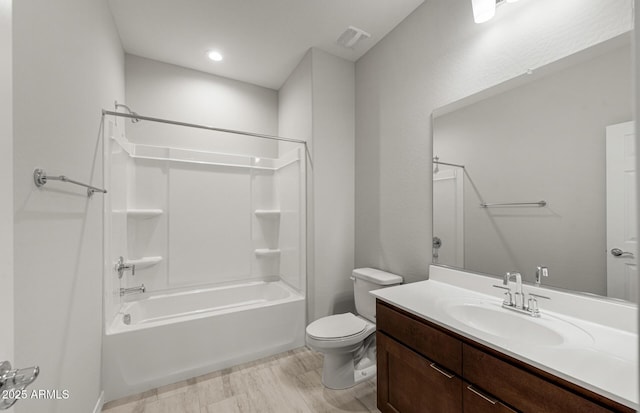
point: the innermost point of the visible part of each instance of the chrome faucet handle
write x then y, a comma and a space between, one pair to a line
533, 304
508, 298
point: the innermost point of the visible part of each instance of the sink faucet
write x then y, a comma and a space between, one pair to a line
518, 295
516, 301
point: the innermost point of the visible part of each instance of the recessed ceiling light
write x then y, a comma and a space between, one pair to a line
215, 56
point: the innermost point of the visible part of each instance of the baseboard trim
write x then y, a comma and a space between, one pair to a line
99, 403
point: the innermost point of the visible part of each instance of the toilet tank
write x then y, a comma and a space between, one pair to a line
369, 279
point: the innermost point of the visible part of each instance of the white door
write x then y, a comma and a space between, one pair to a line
622, 237
6, 188
448, 217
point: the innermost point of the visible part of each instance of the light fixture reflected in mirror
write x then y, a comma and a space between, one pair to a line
484, 10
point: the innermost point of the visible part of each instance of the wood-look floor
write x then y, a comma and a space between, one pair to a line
287, 382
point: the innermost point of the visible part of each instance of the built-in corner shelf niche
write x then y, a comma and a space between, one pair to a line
144, 214
267, 214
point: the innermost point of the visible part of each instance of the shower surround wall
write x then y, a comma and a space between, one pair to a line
218, 219
214, 222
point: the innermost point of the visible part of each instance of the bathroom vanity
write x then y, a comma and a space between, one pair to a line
443, 348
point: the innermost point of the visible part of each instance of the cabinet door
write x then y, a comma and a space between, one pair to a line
475, 400
409, 382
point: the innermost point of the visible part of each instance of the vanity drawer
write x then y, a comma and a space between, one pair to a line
475, 400
521, 389
426, 340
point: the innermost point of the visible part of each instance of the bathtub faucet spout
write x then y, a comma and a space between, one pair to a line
132, 290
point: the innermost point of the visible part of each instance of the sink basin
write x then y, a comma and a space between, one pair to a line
490, 318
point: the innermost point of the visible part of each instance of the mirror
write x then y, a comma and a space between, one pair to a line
540, 172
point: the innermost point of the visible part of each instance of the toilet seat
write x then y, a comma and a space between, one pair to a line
341, 332
336, 327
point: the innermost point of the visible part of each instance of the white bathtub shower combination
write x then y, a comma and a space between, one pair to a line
218, 242
180, 335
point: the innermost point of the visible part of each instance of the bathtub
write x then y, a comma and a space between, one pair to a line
175, 336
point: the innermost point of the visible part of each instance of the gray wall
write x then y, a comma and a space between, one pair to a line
317, 105
436, 56
542, 140
168, 91
68, 65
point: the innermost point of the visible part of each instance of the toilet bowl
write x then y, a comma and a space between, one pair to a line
348, 340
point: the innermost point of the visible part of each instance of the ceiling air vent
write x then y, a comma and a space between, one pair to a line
351, 36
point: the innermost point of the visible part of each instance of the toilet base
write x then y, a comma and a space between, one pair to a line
338, 371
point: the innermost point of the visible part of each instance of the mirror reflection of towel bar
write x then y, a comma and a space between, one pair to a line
538, 204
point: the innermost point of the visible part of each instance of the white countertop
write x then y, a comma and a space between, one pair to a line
603, 357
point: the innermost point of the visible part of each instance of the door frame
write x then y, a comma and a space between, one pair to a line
620, 140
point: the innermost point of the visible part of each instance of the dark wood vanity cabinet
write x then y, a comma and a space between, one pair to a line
413, 385
425, 368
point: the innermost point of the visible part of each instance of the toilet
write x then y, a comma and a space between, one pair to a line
347, 340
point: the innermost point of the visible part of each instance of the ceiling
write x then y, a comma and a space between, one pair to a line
262, 40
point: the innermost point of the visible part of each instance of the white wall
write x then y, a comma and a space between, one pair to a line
6, 183
68, 65
333, 182
317, 105
295, 121
295, 105
542, 140
435, 56
163, 90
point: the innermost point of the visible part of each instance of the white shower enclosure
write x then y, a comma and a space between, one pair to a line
196, 211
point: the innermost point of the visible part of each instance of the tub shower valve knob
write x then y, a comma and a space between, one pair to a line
121, 267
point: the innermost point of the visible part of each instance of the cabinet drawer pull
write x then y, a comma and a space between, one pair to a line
487, 398
439, 370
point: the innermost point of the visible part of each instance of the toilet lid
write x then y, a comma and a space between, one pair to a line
336, 326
